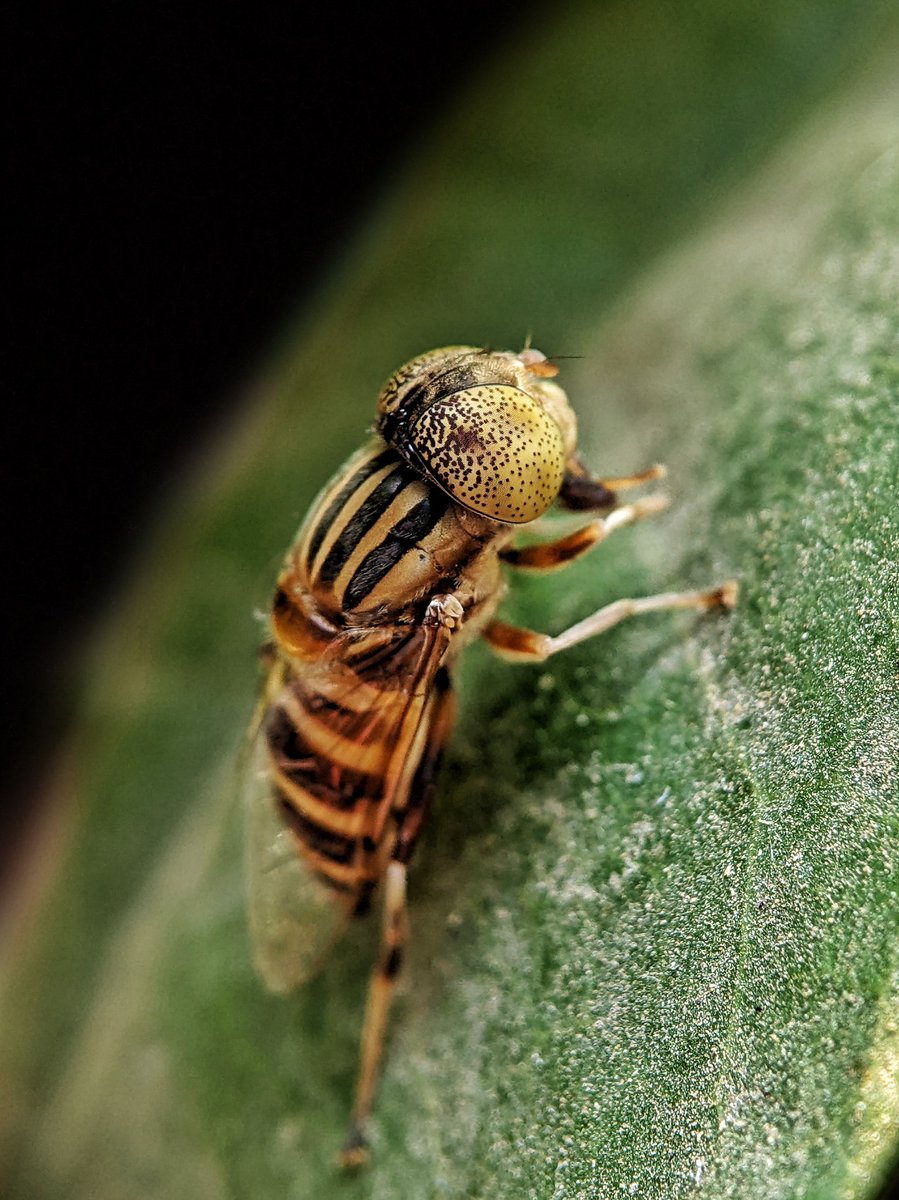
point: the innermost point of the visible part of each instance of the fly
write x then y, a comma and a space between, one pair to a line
398, 566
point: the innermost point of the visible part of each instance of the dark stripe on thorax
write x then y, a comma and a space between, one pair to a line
362, 521
326, 520
413, 528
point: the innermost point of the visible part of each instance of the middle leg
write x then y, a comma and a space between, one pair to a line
526, 645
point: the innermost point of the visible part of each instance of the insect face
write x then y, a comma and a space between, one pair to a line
489, 429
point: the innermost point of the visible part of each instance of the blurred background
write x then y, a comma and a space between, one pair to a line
179, 188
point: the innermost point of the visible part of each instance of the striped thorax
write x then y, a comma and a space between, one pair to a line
381, 536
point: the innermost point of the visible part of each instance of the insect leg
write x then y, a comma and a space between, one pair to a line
621, 482
395, 933
393, 941
444, 711
580, 491
549, 556
525, 645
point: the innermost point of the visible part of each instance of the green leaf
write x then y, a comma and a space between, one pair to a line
655, 934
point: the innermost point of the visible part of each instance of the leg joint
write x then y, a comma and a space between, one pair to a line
393, 962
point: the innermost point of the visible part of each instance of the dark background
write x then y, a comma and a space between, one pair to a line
180, 180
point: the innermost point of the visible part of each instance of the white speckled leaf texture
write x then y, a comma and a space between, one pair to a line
655, 909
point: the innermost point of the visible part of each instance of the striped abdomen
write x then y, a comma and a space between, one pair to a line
343, 743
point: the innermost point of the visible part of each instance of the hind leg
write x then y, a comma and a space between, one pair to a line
395, 928
394, 933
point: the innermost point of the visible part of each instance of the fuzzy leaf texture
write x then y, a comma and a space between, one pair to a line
655, 908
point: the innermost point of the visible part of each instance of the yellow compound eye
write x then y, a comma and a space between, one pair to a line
494, 449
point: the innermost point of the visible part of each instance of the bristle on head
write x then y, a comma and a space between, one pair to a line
538, 364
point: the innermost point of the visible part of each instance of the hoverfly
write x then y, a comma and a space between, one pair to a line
398, 566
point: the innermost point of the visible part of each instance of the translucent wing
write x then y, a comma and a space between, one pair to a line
294, 917
332, 767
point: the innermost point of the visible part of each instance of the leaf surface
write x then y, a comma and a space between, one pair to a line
655, 946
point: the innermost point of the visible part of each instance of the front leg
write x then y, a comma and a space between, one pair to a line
549, 556
580, 492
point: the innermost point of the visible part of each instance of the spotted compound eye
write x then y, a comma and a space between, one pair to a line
494, 449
